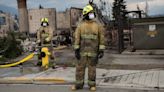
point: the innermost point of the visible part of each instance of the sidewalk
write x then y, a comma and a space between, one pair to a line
153, 78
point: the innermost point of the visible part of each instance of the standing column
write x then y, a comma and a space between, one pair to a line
23, 16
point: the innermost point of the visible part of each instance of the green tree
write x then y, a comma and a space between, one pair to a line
119, 15
119, 11
10, 47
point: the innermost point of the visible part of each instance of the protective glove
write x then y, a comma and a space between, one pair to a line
100, 54
47, 39
77, 54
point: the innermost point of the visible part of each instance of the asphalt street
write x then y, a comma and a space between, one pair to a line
64, 88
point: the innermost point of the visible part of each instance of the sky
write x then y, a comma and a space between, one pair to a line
155, 6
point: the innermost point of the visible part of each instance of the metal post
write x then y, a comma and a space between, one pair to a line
120, 35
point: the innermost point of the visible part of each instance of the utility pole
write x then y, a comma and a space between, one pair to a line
146, 8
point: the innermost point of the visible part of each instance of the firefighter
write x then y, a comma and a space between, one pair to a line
45, 35
89, 46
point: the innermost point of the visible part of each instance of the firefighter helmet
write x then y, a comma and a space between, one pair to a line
87, 9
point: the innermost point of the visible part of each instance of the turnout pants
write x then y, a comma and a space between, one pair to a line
81, 65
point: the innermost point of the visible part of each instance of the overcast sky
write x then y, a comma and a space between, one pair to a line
155, 6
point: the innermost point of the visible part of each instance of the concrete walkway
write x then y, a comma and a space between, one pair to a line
153, 78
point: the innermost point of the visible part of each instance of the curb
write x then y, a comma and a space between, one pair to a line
51, 80
24, 80
16, 80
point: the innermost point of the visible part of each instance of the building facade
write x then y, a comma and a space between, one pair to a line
35, 15
7, 23
76, 16
63, 20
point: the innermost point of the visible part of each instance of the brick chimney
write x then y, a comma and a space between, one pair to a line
23, 16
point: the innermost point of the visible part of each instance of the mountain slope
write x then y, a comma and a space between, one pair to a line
8, 9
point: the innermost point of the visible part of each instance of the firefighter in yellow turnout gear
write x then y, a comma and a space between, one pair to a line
89, 46
45, 35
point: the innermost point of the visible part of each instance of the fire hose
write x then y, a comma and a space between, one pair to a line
27, 58
19, 62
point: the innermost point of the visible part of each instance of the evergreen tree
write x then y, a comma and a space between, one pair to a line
119, 11
11, 47
119, 15
41, 7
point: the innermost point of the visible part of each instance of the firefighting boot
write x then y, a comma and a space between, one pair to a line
92, 88
74, 88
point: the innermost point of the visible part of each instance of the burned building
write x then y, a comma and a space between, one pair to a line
7, 23
68, 19
76, 15
35, 15
63, 20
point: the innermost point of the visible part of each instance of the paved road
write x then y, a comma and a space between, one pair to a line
66, 88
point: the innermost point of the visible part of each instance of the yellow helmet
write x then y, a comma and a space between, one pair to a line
87, 9
44, 20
